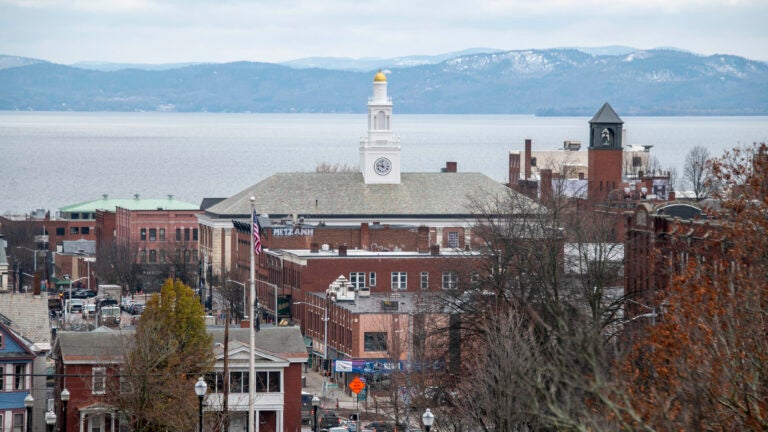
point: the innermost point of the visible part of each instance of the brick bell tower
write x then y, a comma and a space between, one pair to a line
605, 154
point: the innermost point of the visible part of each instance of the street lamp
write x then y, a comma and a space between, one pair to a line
64, 400
315, 406
428, 418
29, 402
50, 420
200, 388
325, 338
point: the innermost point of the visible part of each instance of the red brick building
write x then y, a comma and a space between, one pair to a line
157, 236
660, 241
88, 363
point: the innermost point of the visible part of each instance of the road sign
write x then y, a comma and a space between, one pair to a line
356, 385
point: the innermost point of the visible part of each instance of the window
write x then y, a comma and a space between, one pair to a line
162, 234
533, 161
357, 279
18, 422
85, 230
74, 216
194, 234
637, 161
238, 382
186, 234
2, 341
453, 239
186, 255
450, 280
178, 234
268, 382
99, 385
19, 383
152, 234
399, 281
143, 256
375, 341
143, 234
152, 256
372, 279
74, 230
162, 255
424, 280
2, 378
60, 231
215, 381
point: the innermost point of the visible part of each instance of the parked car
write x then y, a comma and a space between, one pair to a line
89, 310
83, 293
74, 305
136, 308
329, 420
379, 426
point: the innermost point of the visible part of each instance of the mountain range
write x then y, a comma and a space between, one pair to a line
561, 81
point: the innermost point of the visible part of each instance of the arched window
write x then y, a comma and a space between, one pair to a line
381, 120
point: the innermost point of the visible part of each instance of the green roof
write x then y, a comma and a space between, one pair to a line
128, 203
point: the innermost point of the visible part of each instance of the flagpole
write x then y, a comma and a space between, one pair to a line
252, 323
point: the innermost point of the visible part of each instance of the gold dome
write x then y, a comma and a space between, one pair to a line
380, 77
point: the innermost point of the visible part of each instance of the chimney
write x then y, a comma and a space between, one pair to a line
313, 248
528, 159
450, 167
365, 235
434, 250
546, 184
343, 250
514, 169
581, 176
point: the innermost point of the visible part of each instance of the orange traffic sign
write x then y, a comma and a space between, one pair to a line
356, 385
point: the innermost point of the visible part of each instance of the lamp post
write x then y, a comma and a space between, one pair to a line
274, 286
245, 302
50, 420
315, 406
29, 402
325, 338
200, 388
64, 400
428, 418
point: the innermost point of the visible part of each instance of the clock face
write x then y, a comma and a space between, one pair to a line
382, 166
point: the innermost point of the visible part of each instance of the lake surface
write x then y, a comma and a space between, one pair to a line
52, 159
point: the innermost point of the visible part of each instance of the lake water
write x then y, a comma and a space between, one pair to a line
52, 159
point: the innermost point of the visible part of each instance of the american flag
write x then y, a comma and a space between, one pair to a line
256, 228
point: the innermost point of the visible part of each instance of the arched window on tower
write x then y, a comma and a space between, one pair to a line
381, 120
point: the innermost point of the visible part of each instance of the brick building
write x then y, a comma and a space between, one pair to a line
87, 365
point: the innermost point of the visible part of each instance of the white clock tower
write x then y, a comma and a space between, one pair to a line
380, 151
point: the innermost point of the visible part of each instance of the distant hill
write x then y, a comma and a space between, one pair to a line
544, 82
13, 61
372, 64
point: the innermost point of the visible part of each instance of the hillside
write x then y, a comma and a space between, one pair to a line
544, 82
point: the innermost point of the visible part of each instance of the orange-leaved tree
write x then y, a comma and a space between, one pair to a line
704, 365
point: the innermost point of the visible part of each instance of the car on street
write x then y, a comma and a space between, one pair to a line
89, 310
83, 293
379, 426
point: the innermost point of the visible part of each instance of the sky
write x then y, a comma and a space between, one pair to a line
179, 31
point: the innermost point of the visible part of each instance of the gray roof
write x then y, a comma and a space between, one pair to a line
606, 115
106, 346
346, 194
90, 347
285, 342
27, 315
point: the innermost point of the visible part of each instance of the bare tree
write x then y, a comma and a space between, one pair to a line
696, 172
325, 167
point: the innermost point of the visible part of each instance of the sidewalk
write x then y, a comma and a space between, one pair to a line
339, 399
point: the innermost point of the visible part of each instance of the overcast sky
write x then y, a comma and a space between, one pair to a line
172, 31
